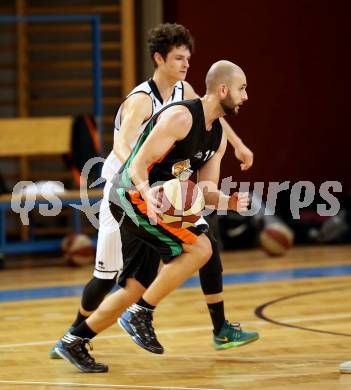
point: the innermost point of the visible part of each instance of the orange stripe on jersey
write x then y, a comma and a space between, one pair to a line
160, 159
183, 234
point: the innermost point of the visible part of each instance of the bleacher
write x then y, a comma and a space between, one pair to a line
59, 60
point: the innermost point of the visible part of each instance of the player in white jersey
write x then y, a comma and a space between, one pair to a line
150, 90
108, 253
170, 48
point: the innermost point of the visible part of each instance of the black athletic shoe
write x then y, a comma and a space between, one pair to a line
52, 353
137, 322
72, 348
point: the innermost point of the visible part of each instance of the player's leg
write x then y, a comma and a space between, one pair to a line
138, 318
140, 268
225, 334
72, 346
183, 251
108, 262
178, 270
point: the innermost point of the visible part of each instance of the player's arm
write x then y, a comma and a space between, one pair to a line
242, 152
136, 109
173, 125
208, 177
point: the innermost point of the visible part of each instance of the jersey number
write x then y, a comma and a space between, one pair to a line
208, 154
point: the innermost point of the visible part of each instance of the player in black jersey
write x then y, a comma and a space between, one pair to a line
170, 48
187, 129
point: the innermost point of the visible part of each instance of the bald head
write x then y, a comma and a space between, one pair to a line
222, 72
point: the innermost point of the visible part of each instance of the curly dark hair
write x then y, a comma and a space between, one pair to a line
162, 39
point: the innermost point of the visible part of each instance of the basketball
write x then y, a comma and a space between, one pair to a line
276, 239
182, 203
78, 249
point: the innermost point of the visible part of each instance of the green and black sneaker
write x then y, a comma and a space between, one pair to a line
231, 335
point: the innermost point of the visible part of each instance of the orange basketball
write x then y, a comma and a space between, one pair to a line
182, 203
78, 249
276, 239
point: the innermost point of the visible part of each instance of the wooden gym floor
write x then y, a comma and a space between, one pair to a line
302, 302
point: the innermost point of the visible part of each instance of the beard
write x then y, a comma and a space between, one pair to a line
228, 106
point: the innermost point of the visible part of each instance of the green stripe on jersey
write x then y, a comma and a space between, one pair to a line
125, 177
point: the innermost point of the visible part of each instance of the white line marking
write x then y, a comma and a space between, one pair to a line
216, 356
163, 331
102, 385
195, 329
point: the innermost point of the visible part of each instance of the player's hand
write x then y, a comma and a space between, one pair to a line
239, 201
244, 154
153, 197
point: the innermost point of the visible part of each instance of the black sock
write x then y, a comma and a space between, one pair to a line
143, 303
83, 331
217, 315
79, 319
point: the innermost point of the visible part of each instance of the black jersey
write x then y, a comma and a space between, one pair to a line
187, 155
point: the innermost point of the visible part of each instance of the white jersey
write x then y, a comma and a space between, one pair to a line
112, 164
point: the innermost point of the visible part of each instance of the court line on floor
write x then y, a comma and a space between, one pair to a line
113, 386
122, 335
234, 278
259, 311
215, 356
189, 329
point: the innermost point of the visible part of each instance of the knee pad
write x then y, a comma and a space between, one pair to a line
95, 291
211, 283
211, 273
